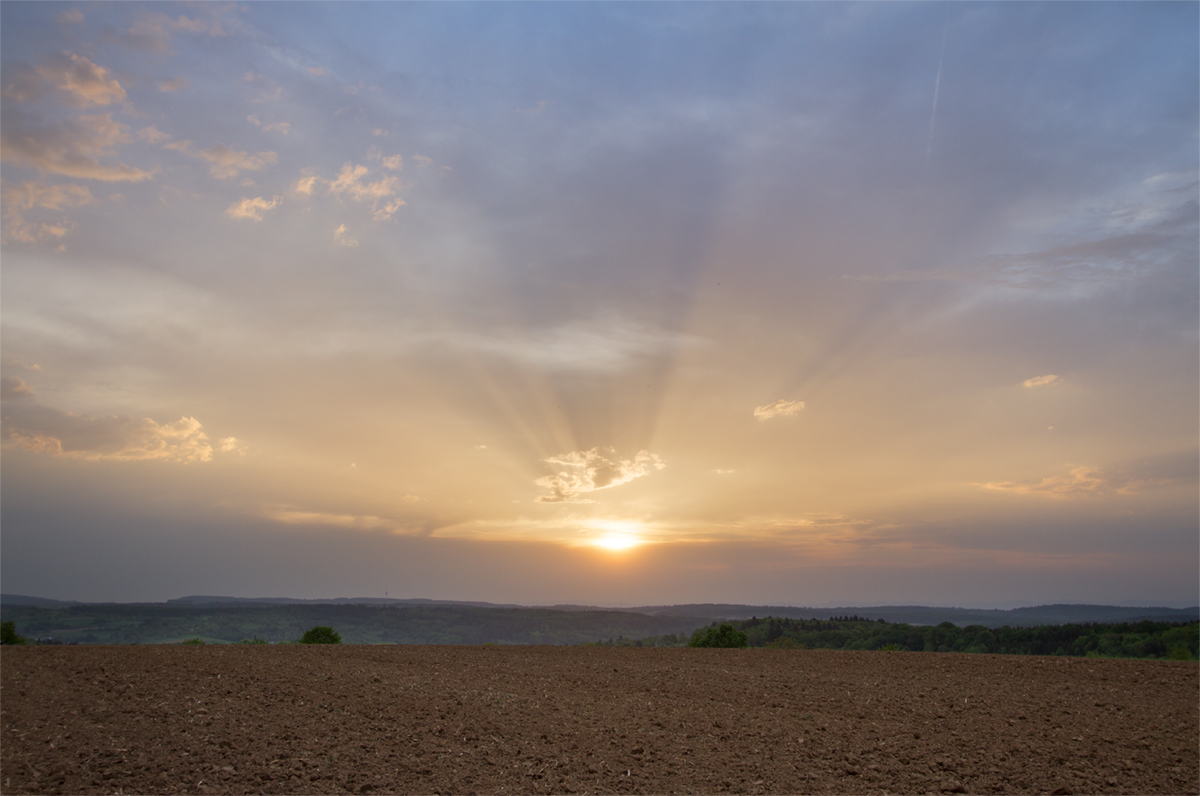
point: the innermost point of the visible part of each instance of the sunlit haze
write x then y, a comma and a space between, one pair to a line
604, 303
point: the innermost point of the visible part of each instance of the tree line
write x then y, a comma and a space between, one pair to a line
1147, 639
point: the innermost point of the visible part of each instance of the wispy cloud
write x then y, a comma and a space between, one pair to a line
1079, 481
351, 182
282, 127
1041, 381
252, 209
781, 408
590, 470
173, 84
224, 161
294, 515
26, 196
153, 31
74, 78
44, 429
71, 147
14, 389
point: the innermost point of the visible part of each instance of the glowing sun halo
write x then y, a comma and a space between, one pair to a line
617, 541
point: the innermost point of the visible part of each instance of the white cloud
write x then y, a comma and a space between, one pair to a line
395, 163
600, 345
78, 80
13, 389
591, 470
1081, 481
351, 182
304, 185
17, 199
422, 160
230, 445
252, 209
342, 238
152, 135
282, 127
71, 148
153, 31
43, 429
781, 408
225, 162
1041, 381
174, 84
292, 515
72, 17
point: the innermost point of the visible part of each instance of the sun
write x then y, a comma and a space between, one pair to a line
615, 535
617, 541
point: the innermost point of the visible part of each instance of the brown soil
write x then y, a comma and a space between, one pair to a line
406, 719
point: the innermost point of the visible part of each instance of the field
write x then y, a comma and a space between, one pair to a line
488, 719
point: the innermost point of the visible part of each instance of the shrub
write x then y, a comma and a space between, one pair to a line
8, 634
723, 635
192, 641
255, 640
893, 647
785, 643
1179, 654
321, 635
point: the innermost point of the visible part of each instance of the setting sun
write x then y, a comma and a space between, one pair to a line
617, 541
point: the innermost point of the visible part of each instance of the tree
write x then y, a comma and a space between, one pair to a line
723, 635
321, 635
8, 634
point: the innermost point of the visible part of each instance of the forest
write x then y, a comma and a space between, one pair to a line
1146, 639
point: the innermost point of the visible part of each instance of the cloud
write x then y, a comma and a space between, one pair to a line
252, 209
44, 429
154, 31
174, 84
342, 238
17, 199
152, 135
317, 71
592, 470
71, 148
78, 80
422, 160
304, 185
225, 162
781, 408
14, 389
350, 182
1082, 481
605, 344
28, 195
230, 445
72, 17
1041, 381
282, 127
292, 515
395, 163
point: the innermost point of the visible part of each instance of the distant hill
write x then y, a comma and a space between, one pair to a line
930, 615
212, 600
677, 616
22, 599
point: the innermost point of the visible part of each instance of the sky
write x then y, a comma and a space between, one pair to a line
602, 303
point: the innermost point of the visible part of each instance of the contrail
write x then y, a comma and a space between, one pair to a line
937, 84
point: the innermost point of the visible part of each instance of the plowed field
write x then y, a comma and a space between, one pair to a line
404, 719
